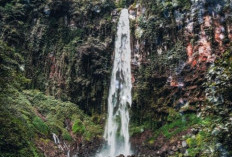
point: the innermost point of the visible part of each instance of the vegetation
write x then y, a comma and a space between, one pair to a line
78, 127
55, 63
40, 125
15, 137
181, 124
38, 115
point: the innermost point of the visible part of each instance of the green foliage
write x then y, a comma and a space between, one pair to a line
78, 127
200, 143
20, 131
57, 112
191, 142
13, 14
173, 115
88, 136
66, 135
10, 67
40, 125
218, 89
171, 58
55, 32
92, 130
14, 135
136, 129
169, 130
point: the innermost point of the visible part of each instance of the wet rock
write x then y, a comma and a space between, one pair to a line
182, 150
174, 148
184, 144
216, 131
115, 12
179, 145
97, 9
171, 152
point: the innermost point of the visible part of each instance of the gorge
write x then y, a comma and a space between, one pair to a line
85, 78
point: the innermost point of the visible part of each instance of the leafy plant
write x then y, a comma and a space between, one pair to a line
171, 129
40, 125
78, 127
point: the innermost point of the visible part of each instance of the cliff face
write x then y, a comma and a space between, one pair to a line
179, 47
176, 42
181, 65
67, 46
62, 48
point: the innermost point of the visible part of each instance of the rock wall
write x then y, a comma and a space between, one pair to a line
174, 43
67, 46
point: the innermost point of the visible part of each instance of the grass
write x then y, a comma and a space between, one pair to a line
177, 126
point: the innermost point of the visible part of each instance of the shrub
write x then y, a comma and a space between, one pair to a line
66, 135
78, 127
191, 142
40, 125
180, 124
15, 139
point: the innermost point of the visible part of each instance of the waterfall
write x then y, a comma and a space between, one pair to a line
55, 138
61, 145
119, 100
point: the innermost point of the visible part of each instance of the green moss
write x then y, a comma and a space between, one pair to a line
56, 112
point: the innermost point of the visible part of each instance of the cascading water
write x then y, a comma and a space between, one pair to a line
119, 99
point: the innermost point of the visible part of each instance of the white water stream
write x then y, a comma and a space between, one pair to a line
119, 100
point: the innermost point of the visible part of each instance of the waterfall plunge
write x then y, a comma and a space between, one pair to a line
119, 99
